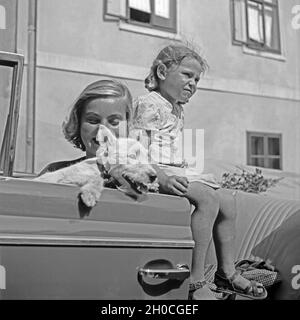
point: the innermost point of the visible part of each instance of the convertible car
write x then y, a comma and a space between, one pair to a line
53, 247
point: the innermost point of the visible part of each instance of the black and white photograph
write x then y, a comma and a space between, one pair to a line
150, 150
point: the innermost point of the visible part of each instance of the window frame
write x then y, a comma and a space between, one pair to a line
120, 10
151, 25
247, 41
266, 156
8, 145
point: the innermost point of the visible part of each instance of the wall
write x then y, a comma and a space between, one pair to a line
240, 92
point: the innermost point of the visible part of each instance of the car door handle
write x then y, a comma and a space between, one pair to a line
181, 272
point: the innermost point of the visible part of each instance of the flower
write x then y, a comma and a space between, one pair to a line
247, 181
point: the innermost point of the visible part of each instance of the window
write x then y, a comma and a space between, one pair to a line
264, 150
8, 25
158, 14
255, 23
11, 70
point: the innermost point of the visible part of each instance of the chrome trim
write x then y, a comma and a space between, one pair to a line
22, 239
181, 272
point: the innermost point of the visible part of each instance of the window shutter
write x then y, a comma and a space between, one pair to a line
272, 32
116, 9
164, 14
239, 21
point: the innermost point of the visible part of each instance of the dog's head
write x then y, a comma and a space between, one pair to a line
127, 158
141, 177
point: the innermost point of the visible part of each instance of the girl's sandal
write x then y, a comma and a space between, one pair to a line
227, 285
201, 283
195, 286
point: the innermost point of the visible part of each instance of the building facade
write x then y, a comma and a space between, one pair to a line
248, 102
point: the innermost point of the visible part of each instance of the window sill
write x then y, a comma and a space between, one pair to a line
263, 54
148, 31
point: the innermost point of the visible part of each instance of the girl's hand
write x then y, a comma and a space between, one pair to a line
175, 185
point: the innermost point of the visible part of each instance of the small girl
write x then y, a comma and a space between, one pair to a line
172, 82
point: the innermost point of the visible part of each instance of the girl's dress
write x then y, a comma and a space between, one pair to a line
155, 117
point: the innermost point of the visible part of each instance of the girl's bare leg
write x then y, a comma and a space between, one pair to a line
224, 232
203, 218
214, 215
224, 237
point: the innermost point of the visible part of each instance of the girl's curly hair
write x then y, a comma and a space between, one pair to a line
172, 55
98, 89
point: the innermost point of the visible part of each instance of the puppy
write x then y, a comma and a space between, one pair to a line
121, 163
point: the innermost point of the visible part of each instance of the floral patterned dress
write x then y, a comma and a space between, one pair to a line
162, 124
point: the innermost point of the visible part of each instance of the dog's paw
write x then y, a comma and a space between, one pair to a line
90, 194
88, 198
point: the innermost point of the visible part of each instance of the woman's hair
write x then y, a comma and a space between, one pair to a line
172, 55
98, 89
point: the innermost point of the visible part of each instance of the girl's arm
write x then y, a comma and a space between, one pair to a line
148, 119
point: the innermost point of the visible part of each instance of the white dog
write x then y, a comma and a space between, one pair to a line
120, 162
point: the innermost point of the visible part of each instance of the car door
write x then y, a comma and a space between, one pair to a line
53, 247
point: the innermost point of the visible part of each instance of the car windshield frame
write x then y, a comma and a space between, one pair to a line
8, 146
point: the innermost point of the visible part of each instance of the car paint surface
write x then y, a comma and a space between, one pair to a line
53, 247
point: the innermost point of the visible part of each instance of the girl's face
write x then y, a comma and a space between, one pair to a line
110, 112
180, 81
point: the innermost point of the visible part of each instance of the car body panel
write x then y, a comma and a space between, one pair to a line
52, 247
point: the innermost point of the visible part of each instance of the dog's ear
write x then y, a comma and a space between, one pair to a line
107, 141
104, 135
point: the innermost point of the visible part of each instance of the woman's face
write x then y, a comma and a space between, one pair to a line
180, 82
110, 112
